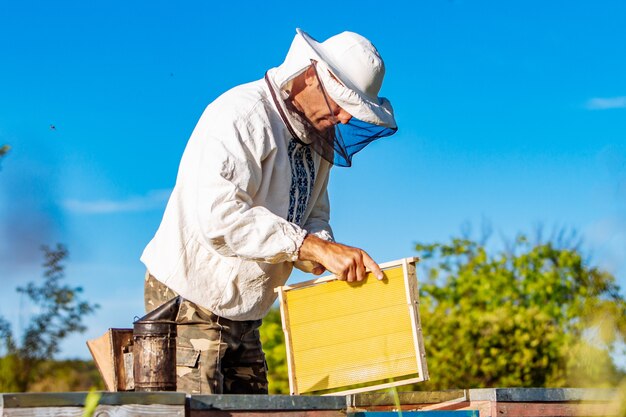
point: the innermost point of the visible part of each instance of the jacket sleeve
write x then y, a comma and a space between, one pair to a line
226, 219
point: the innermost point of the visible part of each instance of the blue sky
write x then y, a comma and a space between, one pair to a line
510, 113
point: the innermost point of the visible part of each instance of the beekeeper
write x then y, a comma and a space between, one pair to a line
250, 202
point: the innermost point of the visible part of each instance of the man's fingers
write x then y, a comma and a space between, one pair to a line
318, 270
352, 274
372, 266
360, 271
345, 262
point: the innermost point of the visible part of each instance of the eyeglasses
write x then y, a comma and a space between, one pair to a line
333, 116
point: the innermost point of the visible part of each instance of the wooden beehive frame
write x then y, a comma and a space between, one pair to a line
418, 373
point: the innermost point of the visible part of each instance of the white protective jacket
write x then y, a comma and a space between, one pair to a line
245, 197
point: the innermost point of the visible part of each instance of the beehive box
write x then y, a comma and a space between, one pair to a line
341, 334
112, 353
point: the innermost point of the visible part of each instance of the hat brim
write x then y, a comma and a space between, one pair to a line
355, 102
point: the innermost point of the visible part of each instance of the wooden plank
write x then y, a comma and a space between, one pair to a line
556, 409
291, 366
463, 413
482, 408
542, 394
413, 397
309, 413
413, 301
131, 410
453, 404
77, 399
265, 402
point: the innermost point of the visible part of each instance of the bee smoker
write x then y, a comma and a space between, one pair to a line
154, 348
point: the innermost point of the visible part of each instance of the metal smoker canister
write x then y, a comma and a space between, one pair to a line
154, 353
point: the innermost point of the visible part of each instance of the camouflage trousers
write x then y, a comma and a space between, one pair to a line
214, 355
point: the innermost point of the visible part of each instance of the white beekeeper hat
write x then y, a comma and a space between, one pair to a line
355, 62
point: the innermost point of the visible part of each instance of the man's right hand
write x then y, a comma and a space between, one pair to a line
346, 262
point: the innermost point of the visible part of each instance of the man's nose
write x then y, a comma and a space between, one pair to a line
343, 116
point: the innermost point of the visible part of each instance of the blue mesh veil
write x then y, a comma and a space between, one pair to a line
353, 136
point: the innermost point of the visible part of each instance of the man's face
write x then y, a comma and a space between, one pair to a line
319, 109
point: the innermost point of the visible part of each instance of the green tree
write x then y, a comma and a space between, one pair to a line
535, 315
67, 375
60, 312
273, 340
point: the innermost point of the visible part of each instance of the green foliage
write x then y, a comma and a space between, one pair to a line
532, 316
273, 340
50, 375
59, 313
66, 376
